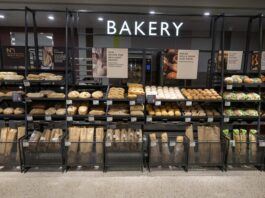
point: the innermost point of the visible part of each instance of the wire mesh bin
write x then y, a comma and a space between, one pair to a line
9, 154
85, 154
249, 153
124, 149
170, 153
207, 154
42, 153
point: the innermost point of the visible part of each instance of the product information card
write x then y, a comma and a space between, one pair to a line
117, 63
187, 67
234, 60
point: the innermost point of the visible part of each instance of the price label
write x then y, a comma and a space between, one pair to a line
109, 102
29, 118
188, 103
192, 144
25, 144
187, 119
172, 143
95, 102
132, 102
62, 87
226, 119
233, 143
69, 102
48, 118
133, 119
261, 143
109, 119
108, 144
26, 83
91, 118
152, 144
140, 99
149, 119
229, 87
227, 103
144, 138
67, 143
69, 118
210, 119
16, 97
151, 98
55, 139
158, 103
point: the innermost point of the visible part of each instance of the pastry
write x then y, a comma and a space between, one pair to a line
37, 111
73, 94
35, 95
71, 110
60, 111
47, 92
18, 111
1, 110
97, 94
56, 95
84, 95
82, 110
8, 111
50, 111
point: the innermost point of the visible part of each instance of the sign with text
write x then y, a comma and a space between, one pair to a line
234, 60
117, 63
187, 64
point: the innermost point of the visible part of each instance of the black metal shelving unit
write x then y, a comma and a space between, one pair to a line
72, 81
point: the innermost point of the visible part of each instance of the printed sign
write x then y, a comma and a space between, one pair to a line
234, 60
187, 64
117, 63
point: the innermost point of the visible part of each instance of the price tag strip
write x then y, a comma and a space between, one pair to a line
229, 87
233, 143
172, 143
262, 143
132, 102
227, 103
95, 102
69, 102
187, 119
188, 103
109, 102
149, 119
133, 119
91, 118
158, 103
29, 118
108, 144
69, 118
210, 119
109, 119
48, 118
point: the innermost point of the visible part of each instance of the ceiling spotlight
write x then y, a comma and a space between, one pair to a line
206, 13
51, 17
100, 19
2, 16
152, 12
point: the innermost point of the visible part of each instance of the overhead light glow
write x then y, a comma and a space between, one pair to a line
100, 19
206, 13
51, 17
152, 12
2, 16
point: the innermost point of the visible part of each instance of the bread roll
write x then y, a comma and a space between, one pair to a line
71, 110
82, 110
19, 111
35, 95
97, 94
73, 94
8, 111
84, 95
60, 111
50, 111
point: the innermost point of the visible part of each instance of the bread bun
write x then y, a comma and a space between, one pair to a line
84, 95
60, 111
73, 94
97, 94
19, 111
82, 110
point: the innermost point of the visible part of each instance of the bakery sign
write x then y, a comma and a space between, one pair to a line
143, 28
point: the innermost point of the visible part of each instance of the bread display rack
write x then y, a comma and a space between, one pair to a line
51, 119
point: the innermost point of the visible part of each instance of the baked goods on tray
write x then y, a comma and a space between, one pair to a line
165, 110
169, 93
201, 94
118, 110
135, 90
44, 76
10, 76
116, 93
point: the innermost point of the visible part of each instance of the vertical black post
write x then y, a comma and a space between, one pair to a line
144, 68
212, 69
247, 45
36, 44
72, 48
259, 65
222, 74
26, 66
66, 76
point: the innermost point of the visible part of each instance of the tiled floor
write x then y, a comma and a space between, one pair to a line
162, 184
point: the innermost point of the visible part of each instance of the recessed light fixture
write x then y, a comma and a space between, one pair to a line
152, 12
206, 13
51, 17
2, 16
100, 19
